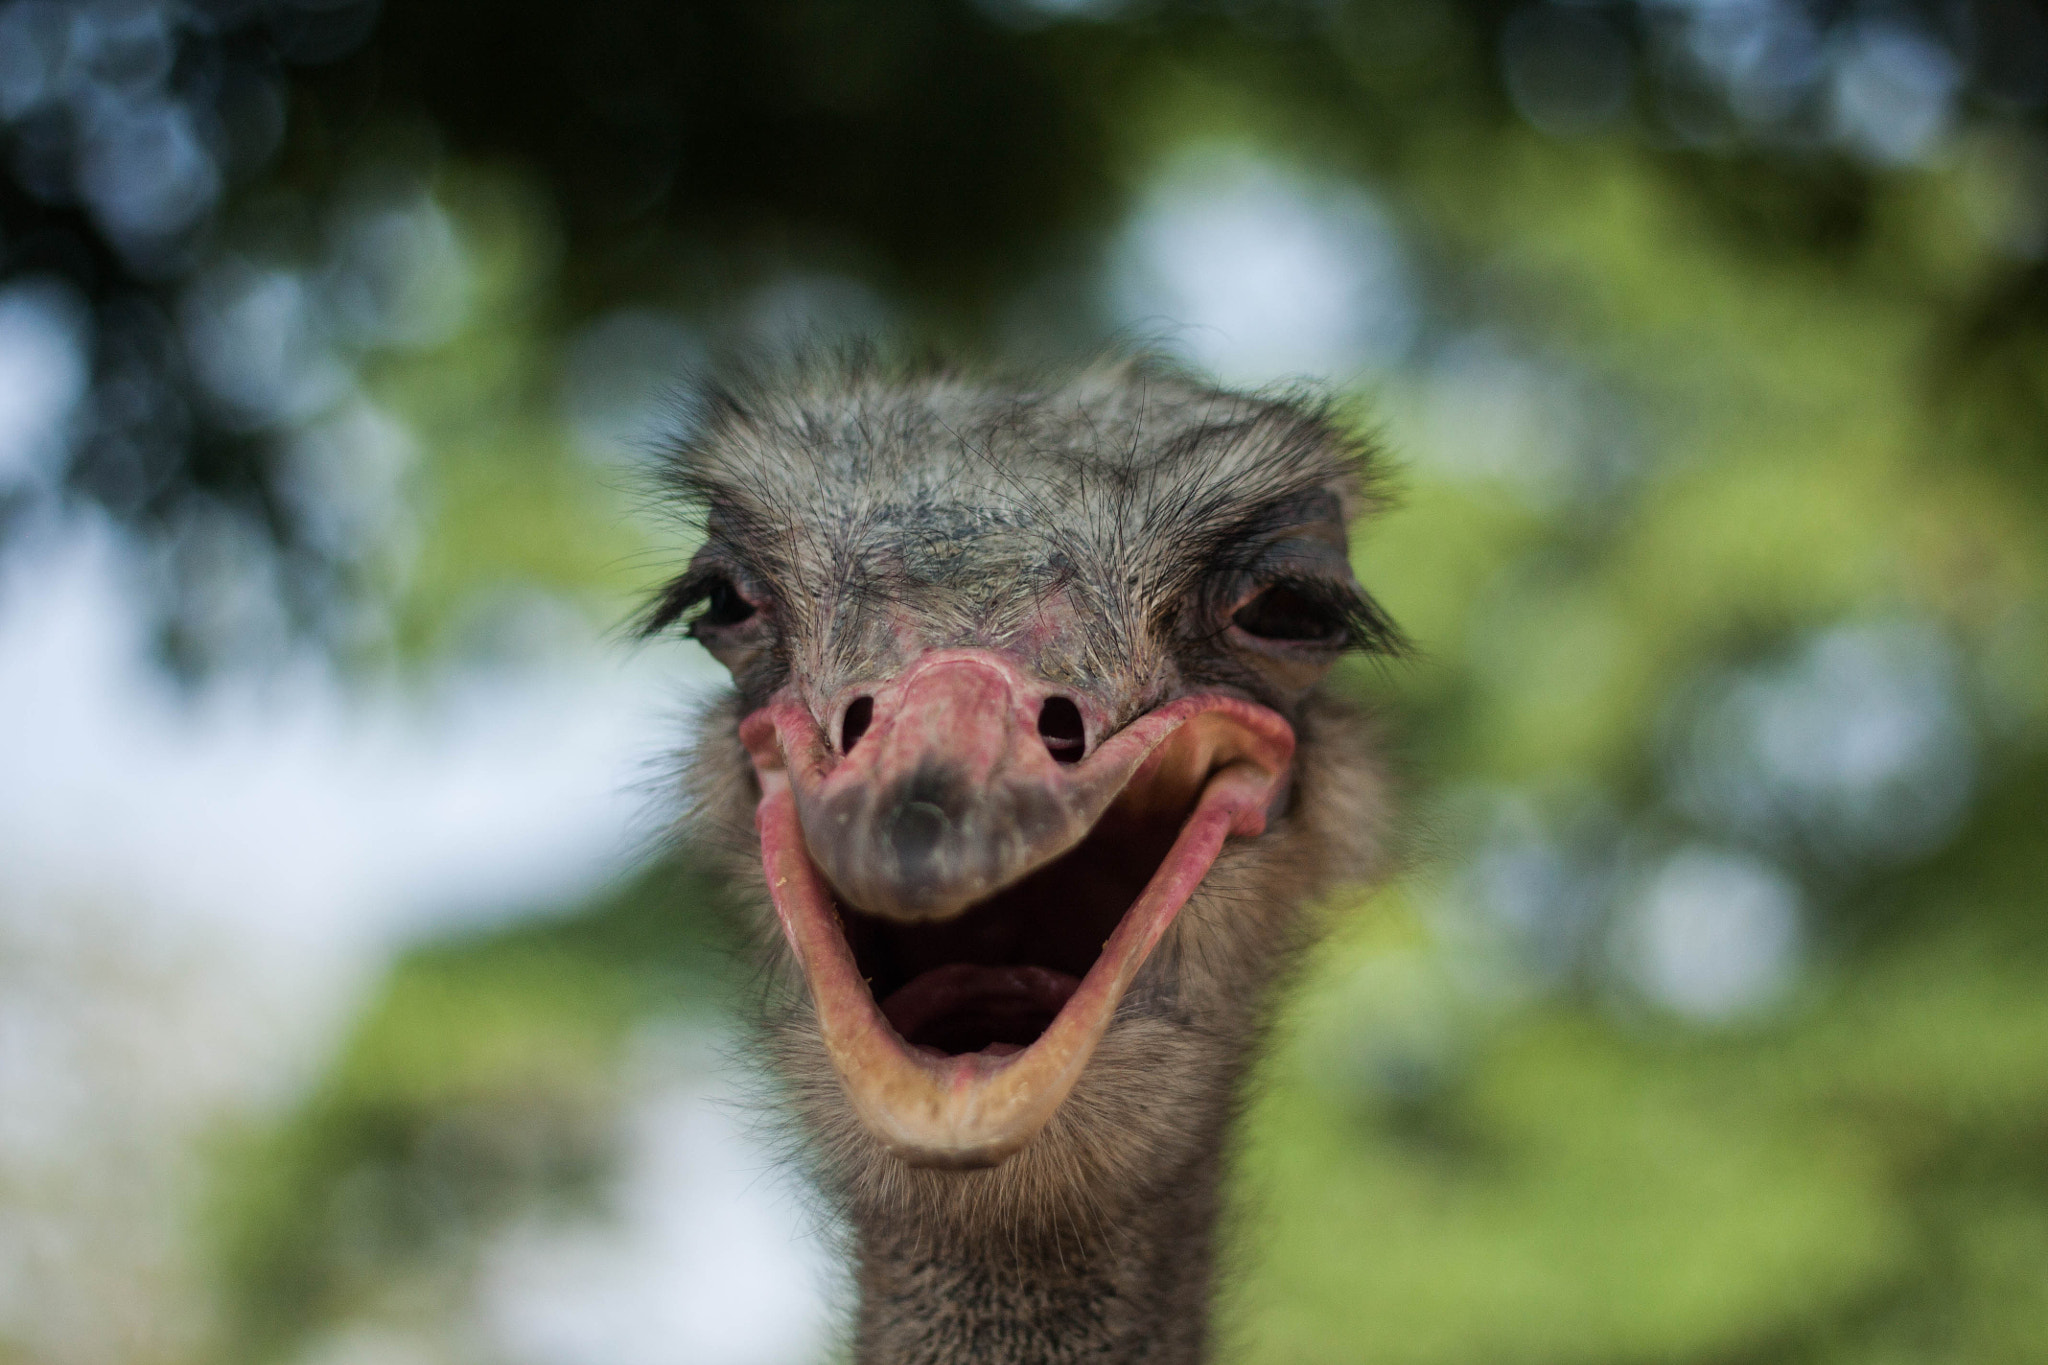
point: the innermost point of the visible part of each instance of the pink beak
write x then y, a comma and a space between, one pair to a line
951, 795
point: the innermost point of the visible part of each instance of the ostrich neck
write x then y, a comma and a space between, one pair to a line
1136, 1291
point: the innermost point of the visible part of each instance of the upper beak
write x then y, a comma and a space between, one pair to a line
951, 793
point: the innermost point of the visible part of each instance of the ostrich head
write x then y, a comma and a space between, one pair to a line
1026, 759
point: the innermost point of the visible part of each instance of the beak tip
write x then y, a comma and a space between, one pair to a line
917, 832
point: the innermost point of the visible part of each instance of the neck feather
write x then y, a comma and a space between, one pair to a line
1134, 1288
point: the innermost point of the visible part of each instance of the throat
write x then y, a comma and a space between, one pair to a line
1137, 1292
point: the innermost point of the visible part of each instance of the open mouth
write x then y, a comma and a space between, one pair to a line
958, 1036
992, 979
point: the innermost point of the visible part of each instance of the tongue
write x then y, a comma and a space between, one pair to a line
1009, 1005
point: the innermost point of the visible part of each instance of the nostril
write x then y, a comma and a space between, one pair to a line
1059, 724
858, 716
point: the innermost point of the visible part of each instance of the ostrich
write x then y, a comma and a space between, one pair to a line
1027, 774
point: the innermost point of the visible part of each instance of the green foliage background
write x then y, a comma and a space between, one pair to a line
1467, 1146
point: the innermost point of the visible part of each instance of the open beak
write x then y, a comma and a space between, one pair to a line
970, 899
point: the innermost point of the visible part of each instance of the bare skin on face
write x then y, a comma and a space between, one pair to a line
1027, 759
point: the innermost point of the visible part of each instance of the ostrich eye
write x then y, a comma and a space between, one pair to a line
723, 605
1283, 613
